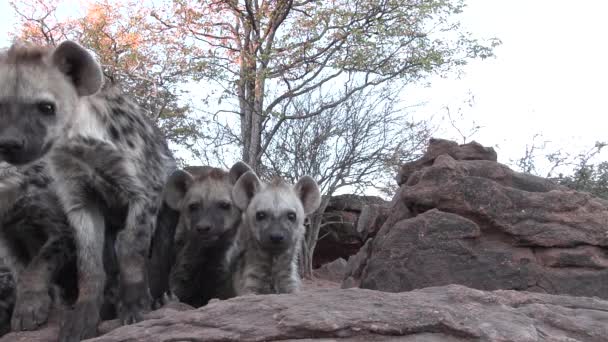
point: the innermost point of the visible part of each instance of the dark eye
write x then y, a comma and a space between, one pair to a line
46, 108
224, 205
291, 217
260, 215
194, 206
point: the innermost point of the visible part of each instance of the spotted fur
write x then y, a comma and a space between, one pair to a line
37, 246
109, 162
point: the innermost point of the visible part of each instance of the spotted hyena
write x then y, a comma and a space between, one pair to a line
264, 259
207, 226
36, 246
108, 161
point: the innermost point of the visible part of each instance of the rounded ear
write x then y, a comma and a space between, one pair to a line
176, 188
237, 170
245, 188
308, 192
79, 66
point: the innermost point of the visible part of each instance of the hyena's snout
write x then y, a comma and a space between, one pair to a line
12, 147
276, 237
11, 144
203, 228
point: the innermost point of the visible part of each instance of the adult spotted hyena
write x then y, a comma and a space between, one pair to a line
207, 226
36, 246
109, 163
264, 259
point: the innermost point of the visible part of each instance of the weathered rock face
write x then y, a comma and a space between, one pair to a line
451, 313
480, 224
349, 221
333, 271
438, 147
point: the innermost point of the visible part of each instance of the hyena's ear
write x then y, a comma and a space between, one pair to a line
79, 66
308, 192
237, 170
176, 188
244, 189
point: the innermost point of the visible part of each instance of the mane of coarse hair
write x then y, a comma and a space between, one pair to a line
277, 181
213, 173
201, 173
23, 52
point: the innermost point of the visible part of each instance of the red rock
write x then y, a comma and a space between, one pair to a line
482, 225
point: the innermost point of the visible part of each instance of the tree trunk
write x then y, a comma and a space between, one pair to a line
251, 87
310, 240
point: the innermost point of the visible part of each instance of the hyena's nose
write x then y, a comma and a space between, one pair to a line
276, 237
204, 229
11, 145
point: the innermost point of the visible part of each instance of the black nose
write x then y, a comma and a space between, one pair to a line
276, 237
203, 229
11, 145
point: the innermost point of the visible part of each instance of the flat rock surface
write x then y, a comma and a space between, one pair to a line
450, 313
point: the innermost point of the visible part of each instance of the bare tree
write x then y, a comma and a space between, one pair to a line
581, 171
350, 147
456, 118
267, 54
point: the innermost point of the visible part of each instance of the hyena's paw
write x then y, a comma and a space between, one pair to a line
31, 310
134, 302
80, 323
167, 298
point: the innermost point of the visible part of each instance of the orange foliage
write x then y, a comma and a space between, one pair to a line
126, 38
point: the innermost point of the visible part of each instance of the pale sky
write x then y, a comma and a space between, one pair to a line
549, 76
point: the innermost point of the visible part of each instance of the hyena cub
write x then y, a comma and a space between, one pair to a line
36, 244
264, 259
108, 161
207, 226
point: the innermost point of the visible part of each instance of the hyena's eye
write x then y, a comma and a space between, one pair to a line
291, 216
260, 215
224, 205
46, 108
194, 206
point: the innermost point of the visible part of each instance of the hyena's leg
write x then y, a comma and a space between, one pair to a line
81, 322
7, 299
132, 247
287, 280
285, 273
9, 269
33, 301
255, 274
162, 253
72, 169
185, 278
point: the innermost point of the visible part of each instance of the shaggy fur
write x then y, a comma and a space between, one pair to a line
37, 246
264, 258
109, 163
207, 226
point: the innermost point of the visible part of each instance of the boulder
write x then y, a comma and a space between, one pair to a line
480, 224
348, 222
438, 147
333, 271
450, 313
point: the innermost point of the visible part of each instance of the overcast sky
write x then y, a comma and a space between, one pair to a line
549, 76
